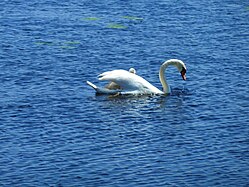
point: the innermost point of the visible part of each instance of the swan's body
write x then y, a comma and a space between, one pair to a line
131, 83
115, 86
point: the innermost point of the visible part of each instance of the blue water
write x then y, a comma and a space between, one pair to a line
54, 130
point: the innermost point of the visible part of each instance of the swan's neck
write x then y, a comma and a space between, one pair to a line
178, 64
166, 88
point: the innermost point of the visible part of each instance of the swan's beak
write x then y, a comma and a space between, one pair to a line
183, 73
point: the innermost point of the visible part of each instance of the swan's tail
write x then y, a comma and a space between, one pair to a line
102, 90
92, 85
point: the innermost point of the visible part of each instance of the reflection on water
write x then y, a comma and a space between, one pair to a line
143, 106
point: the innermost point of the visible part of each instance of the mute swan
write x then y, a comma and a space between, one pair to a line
131, 83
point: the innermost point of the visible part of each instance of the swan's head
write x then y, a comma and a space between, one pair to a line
183, 73
132, 70
181, 68
174, 62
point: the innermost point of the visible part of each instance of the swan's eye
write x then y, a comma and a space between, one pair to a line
183, 73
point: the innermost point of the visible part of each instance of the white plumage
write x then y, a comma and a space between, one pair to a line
129, 82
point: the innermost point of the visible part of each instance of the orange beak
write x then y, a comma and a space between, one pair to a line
183, 74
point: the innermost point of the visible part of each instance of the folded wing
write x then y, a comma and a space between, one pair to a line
129, 82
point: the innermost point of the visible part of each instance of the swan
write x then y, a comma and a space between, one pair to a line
131, 83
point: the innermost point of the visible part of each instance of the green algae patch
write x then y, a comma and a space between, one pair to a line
91, 19
116, 26
72, 42
67, 47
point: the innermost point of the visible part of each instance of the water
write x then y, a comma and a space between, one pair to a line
54, 131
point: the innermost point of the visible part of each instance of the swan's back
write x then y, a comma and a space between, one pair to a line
129, 82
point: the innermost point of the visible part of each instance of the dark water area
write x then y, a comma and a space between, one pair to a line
54, 130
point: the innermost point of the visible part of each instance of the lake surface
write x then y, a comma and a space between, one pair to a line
54, 130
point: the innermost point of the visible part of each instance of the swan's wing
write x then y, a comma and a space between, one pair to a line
126, 80
129, 82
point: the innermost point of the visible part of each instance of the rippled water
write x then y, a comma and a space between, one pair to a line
54, 130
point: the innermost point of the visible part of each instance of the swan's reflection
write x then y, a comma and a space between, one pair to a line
155, 103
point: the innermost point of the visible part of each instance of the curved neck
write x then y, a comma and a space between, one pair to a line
178, 64
166, 88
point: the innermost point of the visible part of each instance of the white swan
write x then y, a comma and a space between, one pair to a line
131, 83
